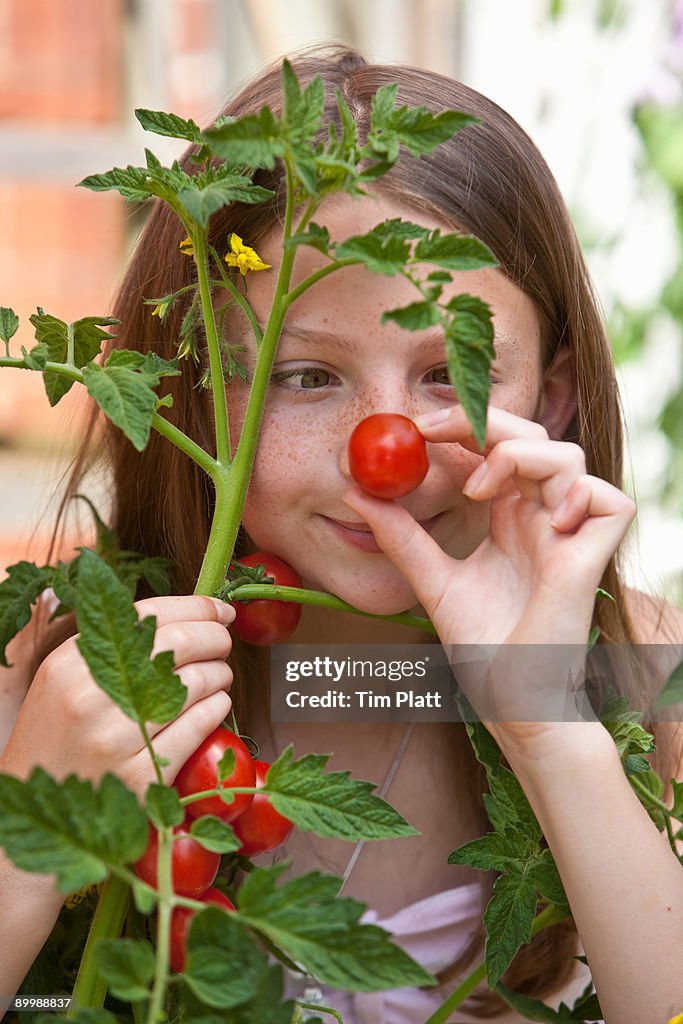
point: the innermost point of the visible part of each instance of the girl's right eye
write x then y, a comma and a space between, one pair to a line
304, 378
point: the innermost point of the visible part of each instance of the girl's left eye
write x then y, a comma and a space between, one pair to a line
309, 378
439, 375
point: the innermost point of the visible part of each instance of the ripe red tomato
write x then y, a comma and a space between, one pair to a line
262, 621
387, 455
261, 828
200, 772
193, 868
180, 926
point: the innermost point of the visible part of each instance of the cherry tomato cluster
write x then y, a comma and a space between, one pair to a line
254, 820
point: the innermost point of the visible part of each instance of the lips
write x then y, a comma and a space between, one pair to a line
359, 535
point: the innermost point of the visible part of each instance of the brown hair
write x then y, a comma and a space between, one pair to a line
491, 181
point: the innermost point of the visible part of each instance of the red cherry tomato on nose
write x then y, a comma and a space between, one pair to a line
180, 926
387, 455
193, 868
261, 828
200, 772
262, 621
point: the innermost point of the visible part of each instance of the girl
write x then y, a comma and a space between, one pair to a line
504, 547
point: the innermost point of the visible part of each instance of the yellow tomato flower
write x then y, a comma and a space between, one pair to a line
162, 308
678, 1019
243, 257
186, 246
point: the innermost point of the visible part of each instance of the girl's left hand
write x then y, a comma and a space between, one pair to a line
532, 580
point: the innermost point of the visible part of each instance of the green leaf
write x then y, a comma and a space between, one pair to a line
533, 1009
215, 835
316, 236
70, 828
414, 317
168, 124
256, 140
163, 806
672, 692
126, 396
495, 851
421, 132
470, 352
330, 803
677, 808
18, 591
303, 111
224, 965
127, 966
636, 763
9, 324
86, 334
117, 647
226, 767
508, 918
624, 726
512, 806
305, 918
544, 874
202, 202
454, 252
37, 357
133, 183
381, 252
382, 106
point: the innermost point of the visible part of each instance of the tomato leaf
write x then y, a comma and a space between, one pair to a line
117, 647
127, 966
381, 252
677, 808
256, 140
624, 726
495, 851
534, 1009
508, 918
163, 806
542, 871
303, 110
200, 202
306, 919
9, 324
214, 834
18, 591
126, 395
470, 352
70, 828
76, 344
316, 236
224, 965
454, 252
330, 803
672, 692
414, 317
168, 124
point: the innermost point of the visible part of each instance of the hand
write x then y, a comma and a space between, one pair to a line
532, 580
67, 724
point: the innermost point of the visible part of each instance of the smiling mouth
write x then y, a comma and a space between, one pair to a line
363, 529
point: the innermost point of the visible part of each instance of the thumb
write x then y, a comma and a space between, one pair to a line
405, 543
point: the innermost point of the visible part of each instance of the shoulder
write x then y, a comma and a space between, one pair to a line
655, 620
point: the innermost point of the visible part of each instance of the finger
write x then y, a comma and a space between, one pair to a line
591, 498
541, 471
183, 735
202, 679
186, 608
411, 549
452, 424
193, 641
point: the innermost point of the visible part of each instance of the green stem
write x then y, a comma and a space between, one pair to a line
239, 298
321, 1009
548, 916
269, 591
318, 275
164, 908
654, 801
186, 445
220, 405
91, 988
70, 346
152, 754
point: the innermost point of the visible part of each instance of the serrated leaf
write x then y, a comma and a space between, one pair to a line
316, 236
9, 324
672, 691
37, 357
224, 965
133, 183
127, 966
495, 851
677, 808
202, 202
256, 140
381, 253
624, 726
117, 647
454, 252
18, 591
414, 317
70, 828
306, 919
545, 876
226, 766
635, 764
330, 803
303, 111
470, 352
382, 106
513, 807
126, 396
163, 806
534, 1009
86, 334
421, 132
168, 124
215, 835
508, 918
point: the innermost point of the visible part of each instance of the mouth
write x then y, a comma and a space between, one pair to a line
359, 535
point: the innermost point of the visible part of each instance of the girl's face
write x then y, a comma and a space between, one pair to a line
336, 364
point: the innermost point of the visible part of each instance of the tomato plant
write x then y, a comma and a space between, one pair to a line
261, 828
180, 925
387, 455
261, 621
200, 772
193, 868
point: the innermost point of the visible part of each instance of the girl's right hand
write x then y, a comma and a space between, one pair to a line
67, 724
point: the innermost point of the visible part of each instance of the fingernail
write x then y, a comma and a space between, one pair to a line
431, 419
559, 513
226, 612
474, 482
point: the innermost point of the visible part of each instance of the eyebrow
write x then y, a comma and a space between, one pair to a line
504, 341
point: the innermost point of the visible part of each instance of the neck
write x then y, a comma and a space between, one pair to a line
325, 625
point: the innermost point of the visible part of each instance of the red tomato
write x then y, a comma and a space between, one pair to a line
261, 828
265, 622
193, 868
200, 772
387, 455
180, 926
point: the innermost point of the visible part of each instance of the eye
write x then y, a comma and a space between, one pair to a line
439, 375
310, 378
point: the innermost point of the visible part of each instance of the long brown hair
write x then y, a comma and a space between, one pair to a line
491, 181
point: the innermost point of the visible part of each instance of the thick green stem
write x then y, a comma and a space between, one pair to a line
220, 405
548, 916
186, 445
91, 988
164, 908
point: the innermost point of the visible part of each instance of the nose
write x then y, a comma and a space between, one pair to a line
391, 396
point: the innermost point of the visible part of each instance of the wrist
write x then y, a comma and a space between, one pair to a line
531, 748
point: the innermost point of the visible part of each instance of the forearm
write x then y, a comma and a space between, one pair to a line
29, 905
623, 882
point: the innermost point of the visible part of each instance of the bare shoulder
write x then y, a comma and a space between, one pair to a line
656, 621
